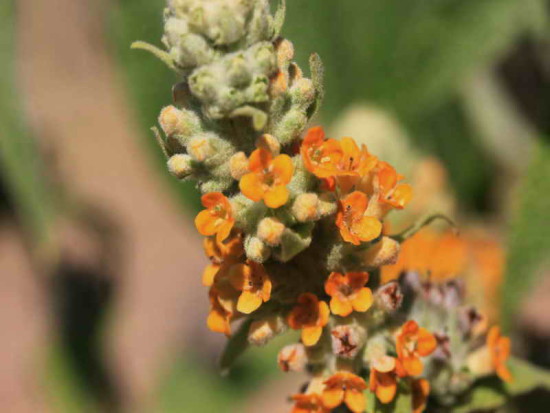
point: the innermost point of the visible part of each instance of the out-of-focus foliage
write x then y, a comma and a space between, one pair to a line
529, 239
20, 159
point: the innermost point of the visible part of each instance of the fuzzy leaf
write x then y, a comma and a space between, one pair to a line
161, 54
491, 392
318, 77
279, 19
235, 347
259, 117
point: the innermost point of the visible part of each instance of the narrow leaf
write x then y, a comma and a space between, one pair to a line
279, 19
161, 54
236, 346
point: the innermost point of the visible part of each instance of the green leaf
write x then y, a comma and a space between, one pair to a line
529, 241
235, 347
318, 78
158, 53
491, 392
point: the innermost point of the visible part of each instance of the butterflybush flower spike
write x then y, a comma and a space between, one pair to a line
293, 223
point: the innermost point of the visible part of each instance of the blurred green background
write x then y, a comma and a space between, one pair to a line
468, 80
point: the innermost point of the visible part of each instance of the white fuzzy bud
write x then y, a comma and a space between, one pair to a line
270, 230
180, 165
306, 207
238, 165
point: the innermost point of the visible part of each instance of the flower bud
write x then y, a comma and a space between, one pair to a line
262, 331
238, 165
180, 165
200, 148
169, 119
285, 53
305, 207
270, 230
347, 340
384, 252
269, 143
256, 249
480, 362
389, 297
303, 92
292, 358
376, 349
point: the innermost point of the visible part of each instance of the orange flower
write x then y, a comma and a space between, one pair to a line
420, 391
499, 348
222, 255
348, 292
309, 403
354, 226
344, 387
382, 379
251, 279
310, 315
320, 156
267, 178
391, 192
354, 161
413, 342
217, 218
220, 314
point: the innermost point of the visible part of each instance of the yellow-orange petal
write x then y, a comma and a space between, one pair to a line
355, 401
333, 397
324, 314
217, 323
209, 274
276, 196
367, 228
212, 199
339, 307
224, 229
252, 186
206, 223
248, 302
504, 374
420, 392
412, 365
310, 335
283, 168
363, 300
401, 195
426, 343
386, 388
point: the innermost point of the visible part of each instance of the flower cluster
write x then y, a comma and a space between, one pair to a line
294, 221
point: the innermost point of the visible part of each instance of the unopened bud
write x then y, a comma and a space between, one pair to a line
377, 348
262, 331
480, 362
389, 296
303, 92
269, 143
238, 165
292, 358
270, 230
384, 252
285, 53
347, 340
256, 249
200, 148
169, 119
180, 165
305, 207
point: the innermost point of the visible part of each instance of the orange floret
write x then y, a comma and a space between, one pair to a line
251, 279
222, 255
309, 403
420, 390
413, 342
344, 387
217, 218
310, 315
383, 379
320, 156
354, 226
348, 293
267, 178
220, 314
499, 348
391, 191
